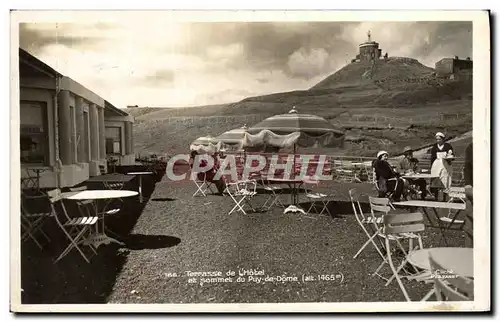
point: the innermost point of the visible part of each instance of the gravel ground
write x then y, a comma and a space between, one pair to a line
287, 247
173, 233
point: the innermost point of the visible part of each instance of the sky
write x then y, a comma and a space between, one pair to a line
161, 63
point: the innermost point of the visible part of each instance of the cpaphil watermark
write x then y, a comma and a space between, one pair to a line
182, 167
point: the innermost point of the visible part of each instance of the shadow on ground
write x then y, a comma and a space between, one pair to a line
163, 199
138, 241
72, 280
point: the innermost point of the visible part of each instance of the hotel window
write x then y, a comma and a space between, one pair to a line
113, 140
33, 133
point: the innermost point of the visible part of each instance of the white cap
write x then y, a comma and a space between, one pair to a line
440, 134
380, 153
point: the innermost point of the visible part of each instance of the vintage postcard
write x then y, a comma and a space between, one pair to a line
250, 161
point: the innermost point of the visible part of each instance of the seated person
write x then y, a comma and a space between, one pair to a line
209, 175
409, 165
387, 179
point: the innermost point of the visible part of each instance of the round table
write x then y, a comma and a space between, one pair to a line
99, 194
140, 174
458, 260
415, 176
99, 238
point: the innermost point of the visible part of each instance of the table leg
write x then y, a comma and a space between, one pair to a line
441, 228
140, 188
294, 206
37, 180
100, 237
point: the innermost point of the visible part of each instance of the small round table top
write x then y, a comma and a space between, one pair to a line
139, 173
458, 260
99, 194
283, 180
419, 176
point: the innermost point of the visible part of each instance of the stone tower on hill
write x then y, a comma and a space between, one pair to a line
368, 51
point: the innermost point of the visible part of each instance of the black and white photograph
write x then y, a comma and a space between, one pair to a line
249, 161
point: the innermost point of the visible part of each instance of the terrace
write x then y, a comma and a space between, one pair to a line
173, 232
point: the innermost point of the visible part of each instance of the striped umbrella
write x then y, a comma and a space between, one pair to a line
314, 129
234, 136
205, 143
205, 140
311, 130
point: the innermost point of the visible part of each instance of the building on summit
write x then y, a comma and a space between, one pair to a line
369, 51
454, 67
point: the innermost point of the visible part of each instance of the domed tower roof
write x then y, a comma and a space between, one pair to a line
369, 42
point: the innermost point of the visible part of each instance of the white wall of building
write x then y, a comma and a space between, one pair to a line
73, 171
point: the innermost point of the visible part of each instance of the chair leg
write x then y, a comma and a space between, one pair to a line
73, 244
325, 207
313, 205
247, 201
391, 264
200, 190
428, 295
403, 263
238, 205
379, 268
370, 240
384, 261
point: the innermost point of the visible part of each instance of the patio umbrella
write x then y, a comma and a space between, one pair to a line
205, 144
233, 137
294, 129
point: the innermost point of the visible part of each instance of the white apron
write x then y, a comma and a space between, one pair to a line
442, 170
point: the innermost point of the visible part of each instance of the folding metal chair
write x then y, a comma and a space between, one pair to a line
367, 223
380, 208
202, 185
32, 223
388, 194
406, 225
454, 288
29, 182
273, 196
114, 185
313, 196
84, 206
76, 229
240, 192
454, 194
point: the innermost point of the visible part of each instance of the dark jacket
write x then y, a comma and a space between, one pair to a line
434, 150
383, 170
468, 166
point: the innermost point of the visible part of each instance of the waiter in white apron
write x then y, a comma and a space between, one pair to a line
441, 156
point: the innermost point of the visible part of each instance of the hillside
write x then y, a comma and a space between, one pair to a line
386, 106
138, 111
401, 68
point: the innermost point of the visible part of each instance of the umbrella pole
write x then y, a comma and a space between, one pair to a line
294, 194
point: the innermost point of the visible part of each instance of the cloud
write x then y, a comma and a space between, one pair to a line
308, 62
200, 63
34, 37
161, 76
